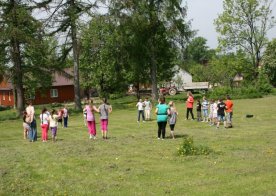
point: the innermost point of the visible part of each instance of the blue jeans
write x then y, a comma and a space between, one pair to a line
33, 131
65, 121
141, 112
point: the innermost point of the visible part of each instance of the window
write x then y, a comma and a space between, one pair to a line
54, 93
9, 96
4, 96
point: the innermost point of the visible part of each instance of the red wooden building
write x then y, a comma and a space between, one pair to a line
62, 90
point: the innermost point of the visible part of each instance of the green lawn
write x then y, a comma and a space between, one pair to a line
133, 162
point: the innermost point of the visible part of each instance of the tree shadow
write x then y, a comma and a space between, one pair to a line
177, 136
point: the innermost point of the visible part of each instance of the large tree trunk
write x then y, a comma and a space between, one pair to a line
153, 74
75, 59
16, 58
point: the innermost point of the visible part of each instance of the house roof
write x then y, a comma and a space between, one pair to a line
6, 85
63, 79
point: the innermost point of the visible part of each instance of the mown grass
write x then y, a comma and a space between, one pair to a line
133, 162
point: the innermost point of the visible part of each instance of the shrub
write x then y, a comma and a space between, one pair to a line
188, 148
245, 92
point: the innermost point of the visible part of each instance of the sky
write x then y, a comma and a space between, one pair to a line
204, 12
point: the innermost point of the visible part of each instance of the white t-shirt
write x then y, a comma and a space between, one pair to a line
53, 120
140, 105
147, 105
215, 108
44, 118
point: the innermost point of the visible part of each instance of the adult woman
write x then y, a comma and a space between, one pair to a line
90, 118
162, 111
31, 113
189, 104
104, 110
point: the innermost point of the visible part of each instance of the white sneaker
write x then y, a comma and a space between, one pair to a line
90, 137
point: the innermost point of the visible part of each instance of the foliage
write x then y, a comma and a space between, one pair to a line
101, 66
222, 69
24, 49
244, 92
187, 148
197, 52
244, 25
263, 85
269, 61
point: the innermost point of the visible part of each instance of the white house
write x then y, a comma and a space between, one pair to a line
181, 77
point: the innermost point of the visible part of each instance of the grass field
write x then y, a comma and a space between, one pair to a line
133, 162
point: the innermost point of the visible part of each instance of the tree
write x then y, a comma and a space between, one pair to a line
158, 30
197, 51
21, 43
103, 57
65, 18
269, 61
244, 25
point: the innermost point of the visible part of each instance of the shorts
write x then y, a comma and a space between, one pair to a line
60, 120
26, 126
54, 131
104, 124
221, 118
205, 112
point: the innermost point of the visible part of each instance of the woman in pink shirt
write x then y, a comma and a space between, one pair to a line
189, 104
90, 118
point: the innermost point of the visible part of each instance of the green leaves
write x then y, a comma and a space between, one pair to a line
244, 25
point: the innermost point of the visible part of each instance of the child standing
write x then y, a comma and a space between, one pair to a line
44, 118
104, 110
90, 118
211, 114
65, 117
205, 105
26, 124
221, 114
60, 116
53, 124
140, 105
189, 105
198, 110
172, 117
148, 107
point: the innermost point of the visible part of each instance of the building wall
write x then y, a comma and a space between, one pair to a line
6, 98
65, 94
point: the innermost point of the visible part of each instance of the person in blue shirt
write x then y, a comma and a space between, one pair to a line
162, 111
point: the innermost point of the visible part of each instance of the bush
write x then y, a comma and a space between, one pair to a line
188, 148
246, 92
3, 108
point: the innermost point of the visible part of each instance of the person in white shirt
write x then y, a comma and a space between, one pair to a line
33, 130
148, 108
140, 105
44, 118
53, 119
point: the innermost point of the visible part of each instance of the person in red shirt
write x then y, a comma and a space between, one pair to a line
229, 111
189, 104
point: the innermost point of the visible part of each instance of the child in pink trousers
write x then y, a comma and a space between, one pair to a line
90, 118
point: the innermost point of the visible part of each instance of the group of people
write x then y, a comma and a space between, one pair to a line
213, 111
89, 118
48, 120
165, 113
